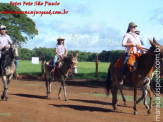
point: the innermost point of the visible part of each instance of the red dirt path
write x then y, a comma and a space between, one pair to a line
27, 103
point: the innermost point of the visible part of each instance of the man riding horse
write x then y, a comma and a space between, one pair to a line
5, 41
7, 66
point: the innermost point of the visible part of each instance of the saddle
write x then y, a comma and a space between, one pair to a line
58, 63
130, 63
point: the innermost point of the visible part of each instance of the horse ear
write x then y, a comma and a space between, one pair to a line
76, 55
152, 43
154, 40
72, 54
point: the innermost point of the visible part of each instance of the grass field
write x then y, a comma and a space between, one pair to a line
86, 70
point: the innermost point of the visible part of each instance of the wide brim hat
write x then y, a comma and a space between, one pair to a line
60, 38
3, 27
132, 25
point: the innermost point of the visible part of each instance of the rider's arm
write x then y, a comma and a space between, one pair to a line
57, 52
8, 43
124, 42
66, 51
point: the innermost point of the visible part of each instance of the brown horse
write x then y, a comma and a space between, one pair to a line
146, 88
69, 64
136, 77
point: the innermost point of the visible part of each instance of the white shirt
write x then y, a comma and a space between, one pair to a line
4, 40
61, 49
131, 38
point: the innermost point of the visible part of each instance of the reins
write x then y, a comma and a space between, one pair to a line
142, 48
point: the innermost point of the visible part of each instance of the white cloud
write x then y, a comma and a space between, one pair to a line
157, 15
78, 8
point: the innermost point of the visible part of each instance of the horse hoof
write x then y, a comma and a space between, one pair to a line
59, 97
147, 107
135, 112
114, 108
149, 111
66, 99
2, 97
125, 104
6, 98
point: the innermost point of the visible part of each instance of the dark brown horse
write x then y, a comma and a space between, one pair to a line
61, 73
137, 77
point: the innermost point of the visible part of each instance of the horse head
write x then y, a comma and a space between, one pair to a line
14, 49
74, 63
155, 47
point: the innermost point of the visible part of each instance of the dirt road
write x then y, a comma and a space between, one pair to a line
27, 103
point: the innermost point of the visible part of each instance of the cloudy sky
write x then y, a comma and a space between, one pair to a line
93, 25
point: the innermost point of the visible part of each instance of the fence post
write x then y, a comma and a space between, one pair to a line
96, 74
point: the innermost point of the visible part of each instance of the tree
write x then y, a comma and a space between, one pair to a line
19, 26
25, 54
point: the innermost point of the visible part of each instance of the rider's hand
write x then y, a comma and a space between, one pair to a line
64, 55
61, 56
6, 46
137, 45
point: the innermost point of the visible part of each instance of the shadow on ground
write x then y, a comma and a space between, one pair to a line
30, 96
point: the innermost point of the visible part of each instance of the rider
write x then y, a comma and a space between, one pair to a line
5, 40
61, 51
132, 44
16, 58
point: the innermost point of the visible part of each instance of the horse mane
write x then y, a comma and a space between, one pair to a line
67, 60
145, 62
7, 58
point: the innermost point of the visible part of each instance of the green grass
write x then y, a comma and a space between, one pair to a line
128, 98
86, 70
27, 68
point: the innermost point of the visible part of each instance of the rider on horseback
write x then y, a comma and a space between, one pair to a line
61, 52
133, 45
5, 41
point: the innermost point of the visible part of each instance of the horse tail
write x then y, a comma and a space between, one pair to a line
42, 65
109, 80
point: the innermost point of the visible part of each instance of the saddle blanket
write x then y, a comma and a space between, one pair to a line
130, 62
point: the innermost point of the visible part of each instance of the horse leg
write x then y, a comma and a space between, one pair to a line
5, 87
123, 97
50, 82
135, 99
47, 88
114, 91
59, 92
150, 96
145, 98
64, 88
8, 82
143, 95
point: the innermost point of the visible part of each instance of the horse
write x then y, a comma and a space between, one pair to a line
145, 90
61, 73
7, 68
136, 77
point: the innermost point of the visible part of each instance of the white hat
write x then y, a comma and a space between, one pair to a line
60, 38
2, 26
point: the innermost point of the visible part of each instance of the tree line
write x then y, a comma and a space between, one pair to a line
49, 53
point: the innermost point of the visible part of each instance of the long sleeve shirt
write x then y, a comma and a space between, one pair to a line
131, 38
5, 40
